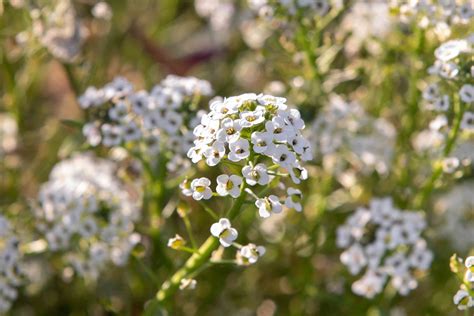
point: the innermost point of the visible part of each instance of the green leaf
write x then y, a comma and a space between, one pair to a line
72, 123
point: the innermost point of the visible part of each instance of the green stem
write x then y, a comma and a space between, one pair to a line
198, 259
75, 86
189, 230
452, 137
306, 45
155, 203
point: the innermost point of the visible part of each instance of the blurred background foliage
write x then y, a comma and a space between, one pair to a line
146, 40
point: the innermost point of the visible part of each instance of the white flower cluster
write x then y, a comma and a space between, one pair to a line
160, 120
59, 30
11, 268
251, 131
453, 67
456, 208
365, 20
219, 13
267, 8
86, 212
259, 135
8, 135
439, 15
464, 297
431, 141
345, 129
388, 243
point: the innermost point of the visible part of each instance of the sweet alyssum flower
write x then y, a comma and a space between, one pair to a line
228, 185
467, 121
88, 214
268, 206
293, 200
438, 16
387, 243
176, 242
344, 129
150, 123
11, 265
451, 73
249, 254
257, 174
283, 8
8, 135
259, 138
224, 231
200, 189
226, 133
59, 30
464, 298
469, 263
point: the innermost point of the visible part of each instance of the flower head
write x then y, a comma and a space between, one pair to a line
86, 212
396, 250
228, 185
200, 189
176, 242
268, 206
148, 122
249, 254
224, 231
11, 265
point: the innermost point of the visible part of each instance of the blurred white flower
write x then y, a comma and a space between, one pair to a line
293, 201
8, 135
395, 251
102, 10
149, 122
189, 284
11, 265
60, 30
463, 300
455, 208
85, 211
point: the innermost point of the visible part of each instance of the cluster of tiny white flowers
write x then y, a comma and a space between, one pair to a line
247, 254
456, 208
160, 120
266, 8
365, 20
433, 138
8, 134
453, 67
256, 130
438, 15
430, 143
219, 13
59, 30
262, 137
344, 128
11, 267
388, 243
464, 297
85, 212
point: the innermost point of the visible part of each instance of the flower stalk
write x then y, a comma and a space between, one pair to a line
197, 260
